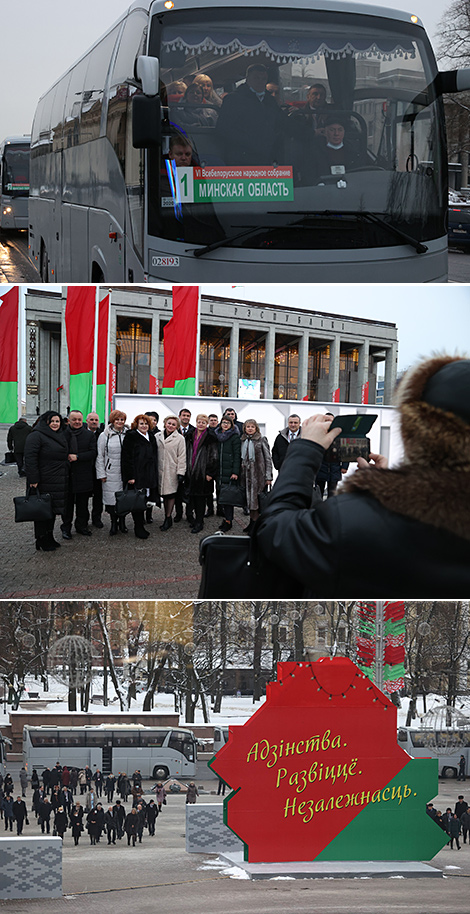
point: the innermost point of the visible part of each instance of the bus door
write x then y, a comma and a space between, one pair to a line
107, 762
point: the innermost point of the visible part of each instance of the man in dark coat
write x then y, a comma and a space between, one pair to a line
44, 815
20, 814
94, 425
82, 456
16, 440
119, 814
185, 429
284, 438
151, 813
130, 826
391, 531
250, 122
111, 825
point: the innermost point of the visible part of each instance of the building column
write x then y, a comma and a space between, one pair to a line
269, 363
362, 369
302, 377
334, 366
234, 360
391, 355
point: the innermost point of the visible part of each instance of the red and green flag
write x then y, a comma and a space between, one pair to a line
180, 343
9, 309
102, 358
79, 327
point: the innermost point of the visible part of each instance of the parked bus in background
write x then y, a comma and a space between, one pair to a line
133, 177
4, 742
447, 745
157, 752
220, 738
14, 182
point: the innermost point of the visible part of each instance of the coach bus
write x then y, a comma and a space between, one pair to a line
133, 178
157, 752
447, 745
14, 182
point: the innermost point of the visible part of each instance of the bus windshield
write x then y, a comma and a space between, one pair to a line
304, 130
15, 171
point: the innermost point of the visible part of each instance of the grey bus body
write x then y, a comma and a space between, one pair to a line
108, 201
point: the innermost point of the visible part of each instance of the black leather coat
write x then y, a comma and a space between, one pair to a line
46, 463
352, 546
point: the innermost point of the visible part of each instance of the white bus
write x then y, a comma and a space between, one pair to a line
112, 199
157, 752
14, 182
445, 745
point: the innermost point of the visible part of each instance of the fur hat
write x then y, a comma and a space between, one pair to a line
433, 400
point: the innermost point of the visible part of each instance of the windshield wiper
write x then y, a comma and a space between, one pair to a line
419, 247
199, 252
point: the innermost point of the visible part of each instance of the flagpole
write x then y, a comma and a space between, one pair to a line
95, 350
21, 337
108, 346
198, 339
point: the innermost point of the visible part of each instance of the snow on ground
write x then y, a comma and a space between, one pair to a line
235, 710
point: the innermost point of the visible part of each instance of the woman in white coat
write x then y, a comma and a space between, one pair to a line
171, 464
108, 466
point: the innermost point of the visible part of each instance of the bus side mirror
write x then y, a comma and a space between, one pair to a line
147, 70
453, 80
146, 121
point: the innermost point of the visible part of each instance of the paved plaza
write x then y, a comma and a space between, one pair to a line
158, 875
165, 566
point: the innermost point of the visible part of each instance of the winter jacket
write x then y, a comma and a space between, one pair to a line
229, 455
280, 446
206, 463
171, 461
391, 532
46, 463
139, 460
17, 435
108, 462
81, 442
257, 472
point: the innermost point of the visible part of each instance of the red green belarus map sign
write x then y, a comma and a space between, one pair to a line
317, 773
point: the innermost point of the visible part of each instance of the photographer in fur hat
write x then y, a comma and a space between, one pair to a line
401, 532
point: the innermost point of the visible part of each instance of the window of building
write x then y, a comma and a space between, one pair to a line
318, 371
214, 360
133, 347
252, 357
286, 368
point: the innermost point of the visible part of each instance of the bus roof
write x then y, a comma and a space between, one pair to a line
16, 140
105, 727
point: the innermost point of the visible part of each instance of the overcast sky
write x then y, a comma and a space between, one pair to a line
50, 36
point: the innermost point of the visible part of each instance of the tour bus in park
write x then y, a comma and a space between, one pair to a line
14, 182
447, 745
157, 752
133, 178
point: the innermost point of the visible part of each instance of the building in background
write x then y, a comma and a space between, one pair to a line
314, 355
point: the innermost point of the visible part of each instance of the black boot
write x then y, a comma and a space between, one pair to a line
114, 522
148, 516
139, 528
52, 542
44, 543
167, 523
122, 524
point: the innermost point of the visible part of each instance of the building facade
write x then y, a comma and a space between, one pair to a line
294, 354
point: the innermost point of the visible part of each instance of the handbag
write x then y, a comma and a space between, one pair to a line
33, 506
130, 500
9, 457
263, 498
233, 569
231, 493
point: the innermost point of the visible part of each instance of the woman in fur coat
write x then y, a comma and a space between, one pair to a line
202, 462
257, 467
46, 462
400, 532
108, 466
139, 466
171, 465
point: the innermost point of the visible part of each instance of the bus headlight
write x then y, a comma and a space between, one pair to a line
7, 211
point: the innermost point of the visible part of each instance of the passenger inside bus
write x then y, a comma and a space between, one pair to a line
250, 122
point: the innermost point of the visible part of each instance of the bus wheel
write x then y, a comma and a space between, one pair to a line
160, 773
448, 772
44, 264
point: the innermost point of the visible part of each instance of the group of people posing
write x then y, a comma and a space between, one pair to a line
76, 461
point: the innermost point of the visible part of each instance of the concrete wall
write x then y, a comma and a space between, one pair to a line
30, 868
206, 832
